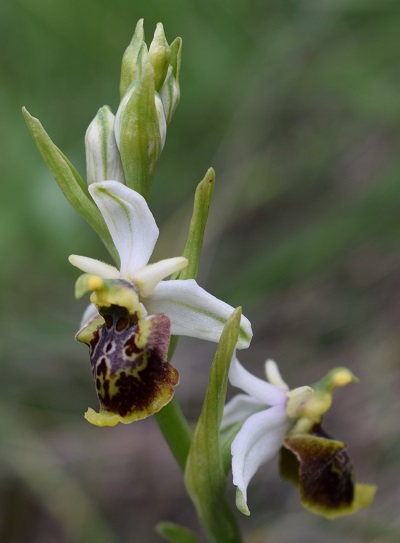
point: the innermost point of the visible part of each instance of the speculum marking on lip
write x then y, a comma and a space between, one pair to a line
130, 379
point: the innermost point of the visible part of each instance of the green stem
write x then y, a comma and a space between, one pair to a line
176, 431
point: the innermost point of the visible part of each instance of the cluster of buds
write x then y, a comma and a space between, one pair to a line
126, 147
134, 310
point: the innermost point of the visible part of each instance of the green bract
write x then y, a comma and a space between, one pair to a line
69, 181
205, 475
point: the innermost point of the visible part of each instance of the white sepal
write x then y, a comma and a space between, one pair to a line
130, 222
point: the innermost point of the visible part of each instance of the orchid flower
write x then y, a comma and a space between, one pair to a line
135, 310
271, 416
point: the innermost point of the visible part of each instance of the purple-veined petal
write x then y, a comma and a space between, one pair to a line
194, 312
147, 278
93, 266
259, 439
260, 390
240, 408
130, 222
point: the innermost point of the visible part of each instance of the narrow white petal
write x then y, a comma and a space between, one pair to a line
148, 277
260, 390
89, 314
91, 265
240, 408
259, 439
194, 312
130, 222
274, 375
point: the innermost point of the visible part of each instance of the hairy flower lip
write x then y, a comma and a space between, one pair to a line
128, 355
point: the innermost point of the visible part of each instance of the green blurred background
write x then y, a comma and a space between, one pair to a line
296, 105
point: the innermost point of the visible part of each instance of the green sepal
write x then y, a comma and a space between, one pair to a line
175, 57
175, 533
159, 56
138, 132
204, 474
325, 475
134, 57
70, 182
194, 242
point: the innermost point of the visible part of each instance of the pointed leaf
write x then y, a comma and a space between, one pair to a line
204, 474
175, 534
69, 181
175, 59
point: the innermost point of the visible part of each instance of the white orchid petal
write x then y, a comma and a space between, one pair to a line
148, 277
89, 314
96, 267
259, 439
239, 408
274, 375
130, 222
262, 391
194, 312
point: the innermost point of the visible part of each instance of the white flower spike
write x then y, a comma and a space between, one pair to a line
275, 419
191, 310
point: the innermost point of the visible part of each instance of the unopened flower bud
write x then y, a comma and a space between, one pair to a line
170, 91
134, 59
103, 161
159, 55
140, 130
